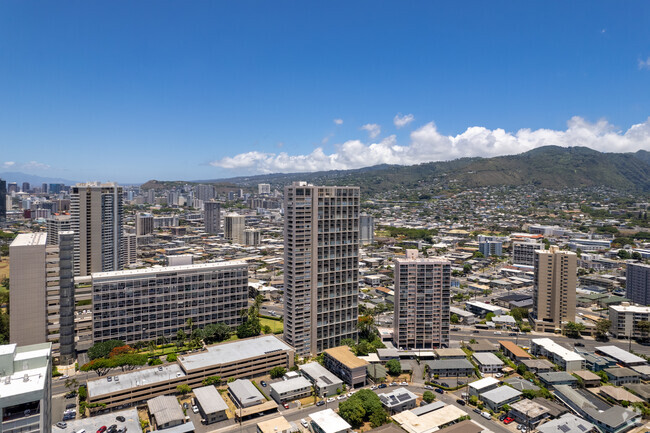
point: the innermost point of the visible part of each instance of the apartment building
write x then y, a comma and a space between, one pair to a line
625, 319
321, 266
565, 358
637, 287
554, 298
234, 228
3, 201
97, 221
26, 388
143, 224
239, 359
421, 307
252, 237
42, 292
263, 188
144, 304
523, 253
491, 248
344, 364
212, 217
56, 224
366, 229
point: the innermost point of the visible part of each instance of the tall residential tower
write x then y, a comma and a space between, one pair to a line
97, 219
637, 287
422, 288
321, 262
554, 298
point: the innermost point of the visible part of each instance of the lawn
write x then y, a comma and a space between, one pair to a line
275, 325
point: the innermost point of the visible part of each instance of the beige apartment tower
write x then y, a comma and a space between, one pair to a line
321, 263
554, 298
234, 228
422, 288
97, 218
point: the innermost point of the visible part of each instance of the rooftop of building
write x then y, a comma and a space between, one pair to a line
487, 358
245, 391
289, 385
450, 353
165, 409
344, 355
503, 393
484, 383
531, 408
329, 421
320, 374
484, 306
30, 239
621, 372
133, 379
210, 399
167, 269
450, 364
556, 349
429, 421
538, 363
514, 349
557, 376
586, 375
567, 423
233, 351
396, 397
274, 425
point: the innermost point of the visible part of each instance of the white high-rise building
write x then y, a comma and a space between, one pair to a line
263, 188
366, 229
422, 290
321, 264
97, 219
26, 388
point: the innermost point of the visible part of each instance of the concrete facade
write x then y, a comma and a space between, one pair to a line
554, 300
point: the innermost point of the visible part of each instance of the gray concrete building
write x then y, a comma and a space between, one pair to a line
144, 304
56, 224
321, 266
523, 253
212, 217
421, 307
97, 221
637, 284
143, 224
234, 226
366, 229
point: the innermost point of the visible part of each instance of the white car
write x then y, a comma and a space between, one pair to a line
497, 332
331, 399
304, 423
341, 397
195, 409
498, 375
373, 387
404, 383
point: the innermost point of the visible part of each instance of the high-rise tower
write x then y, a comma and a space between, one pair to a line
97, 218
321, 262
212, 218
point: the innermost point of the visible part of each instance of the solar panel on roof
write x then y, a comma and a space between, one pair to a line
326, 380
581, 427
403, 397
565, 428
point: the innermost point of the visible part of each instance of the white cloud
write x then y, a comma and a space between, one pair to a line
373, 129
428, 144
8, 164
338, 121
35, 165
404, 120
644, 64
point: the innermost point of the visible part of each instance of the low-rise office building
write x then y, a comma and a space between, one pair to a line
566, 359
325, 383
246, 358
292, 389
344, 364
212, 406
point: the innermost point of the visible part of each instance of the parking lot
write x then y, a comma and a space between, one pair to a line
131, 422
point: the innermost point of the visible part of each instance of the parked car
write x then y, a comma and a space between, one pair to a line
120, 418
70, 406
195, 409
286, 405
320, 402
502, 417
329, 400
102, 429
461, 402
382, 386
508, 420
393, 384
186, 406
498, 375
263, 383
304, 423
477, 410
341, 397
404, 383
512, 334
428, 387
439, 391
497, 332
373, 387
579, 344
61, 424
486, 415
475, 331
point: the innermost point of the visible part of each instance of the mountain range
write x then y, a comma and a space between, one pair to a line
34, 180
547, 167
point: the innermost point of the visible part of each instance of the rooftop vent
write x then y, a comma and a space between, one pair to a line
26, 378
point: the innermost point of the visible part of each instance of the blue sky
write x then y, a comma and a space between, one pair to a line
131, 91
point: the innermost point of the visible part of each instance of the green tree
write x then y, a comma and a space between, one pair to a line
172, 357
180, 337
102, 349
394, 367
277, 372
521, 369
348, 342
467, 268
624, 254
602, 327
101, 366
489, 317
428, 396
643, 326
353, 412
519, 313
216, 332
183, 389
212, 380
454, 318
573, 329
128, 361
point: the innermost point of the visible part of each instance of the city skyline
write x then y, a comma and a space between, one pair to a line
208, 91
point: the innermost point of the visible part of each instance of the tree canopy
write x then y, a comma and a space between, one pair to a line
363, 406
103, 348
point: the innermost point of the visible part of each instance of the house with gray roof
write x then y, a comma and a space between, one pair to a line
323, 380
212, 406
497, 398
292, 389
568, 423
244, 393
621, 356
555, 378
450, 367
488, 362
519, 383
622, 375
538, 365
166, 411
398, 400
